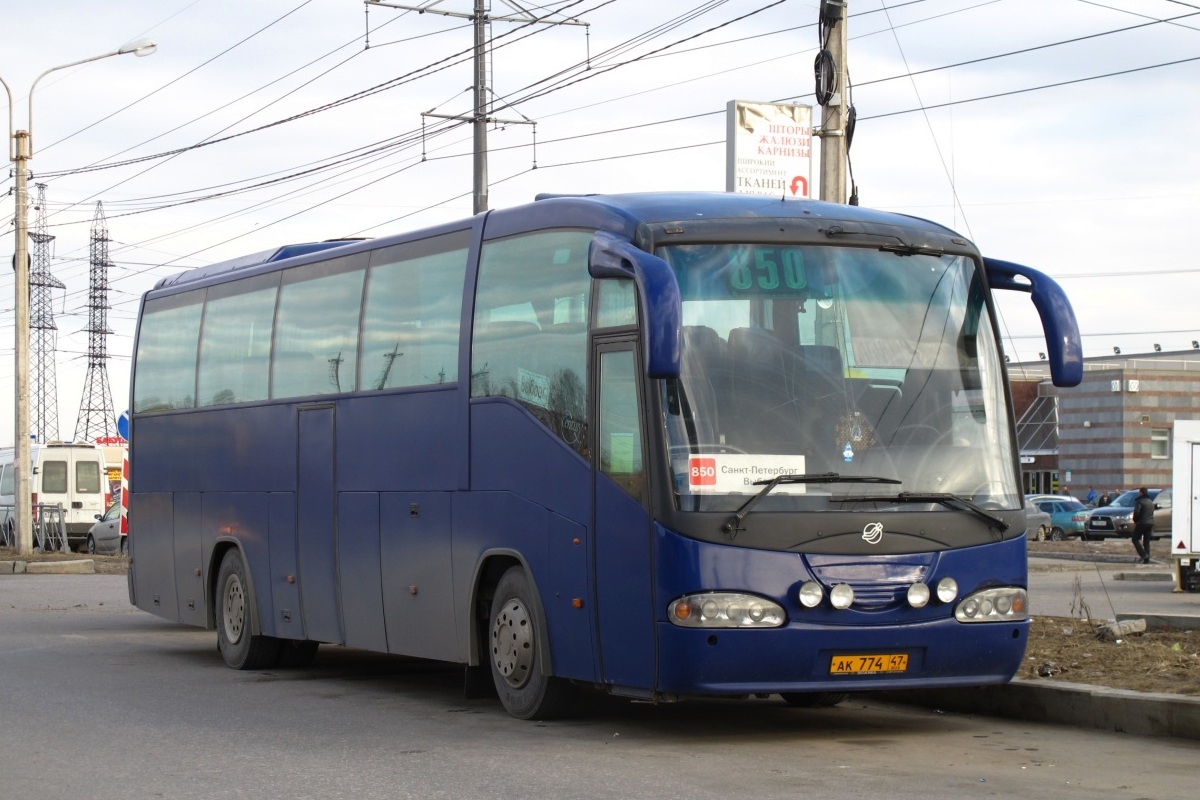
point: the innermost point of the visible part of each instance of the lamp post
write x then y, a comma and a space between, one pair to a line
20, 152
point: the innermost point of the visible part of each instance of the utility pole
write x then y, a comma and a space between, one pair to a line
830, 72
479, 119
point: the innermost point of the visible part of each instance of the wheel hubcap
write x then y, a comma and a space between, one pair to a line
235, 609
512, 643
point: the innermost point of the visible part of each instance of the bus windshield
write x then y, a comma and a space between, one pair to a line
798, 360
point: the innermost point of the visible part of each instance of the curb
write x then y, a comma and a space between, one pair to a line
83, 566
1077, 704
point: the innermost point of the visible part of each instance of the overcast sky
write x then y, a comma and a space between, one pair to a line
1056, 133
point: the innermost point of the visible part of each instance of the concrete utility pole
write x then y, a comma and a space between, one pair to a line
480, 89
832, 131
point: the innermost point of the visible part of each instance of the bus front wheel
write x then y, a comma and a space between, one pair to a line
240, 648
517, 652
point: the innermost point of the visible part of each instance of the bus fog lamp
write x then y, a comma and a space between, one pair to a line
811, 594
918, 595
841, 596
947, 590
725, 610
1004, 604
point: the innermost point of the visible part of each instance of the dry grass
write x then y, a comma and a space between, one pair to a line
1065, 649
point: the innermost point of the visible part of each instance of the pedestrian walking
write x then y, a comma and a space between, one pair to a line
1143, 524
1091, 496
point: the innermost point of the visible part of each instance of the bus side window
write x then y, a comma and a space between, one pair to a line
316, 328
412, 313
616, 303
621, 422
235, 340
529, 340
167, 342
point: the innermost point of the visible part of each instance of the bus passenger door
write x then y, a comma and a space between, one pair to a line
317, 545
624, 604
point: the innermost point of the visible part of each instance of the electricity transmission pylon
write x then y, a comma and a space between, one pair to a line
96, 417
43, 412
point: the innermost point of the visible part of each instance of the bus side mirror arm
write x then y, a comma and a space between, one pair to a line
1063, 345
611, 256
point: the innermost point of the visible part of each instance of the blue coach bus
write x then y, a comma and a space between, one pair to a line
666, 445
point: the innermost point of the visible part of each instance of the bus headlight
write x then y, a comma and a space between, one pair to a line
1006, 604
811, 594
841, 596
918, 595
947, 590
725, 610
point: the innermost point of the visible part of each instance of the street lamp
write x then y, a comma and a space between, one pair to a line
20, 151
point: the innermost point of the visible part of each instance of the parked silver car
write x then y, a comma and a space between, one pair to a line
1037, 523
105, 537
1116, 519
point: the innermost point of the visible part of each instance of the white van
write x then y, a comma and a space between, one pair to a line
70, 474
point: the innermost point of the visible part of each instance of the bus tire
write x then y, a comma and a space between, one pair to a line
813, 699
240, 648
517, 652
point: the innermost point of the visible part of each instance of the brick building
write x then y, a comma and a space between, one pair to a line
1113, 431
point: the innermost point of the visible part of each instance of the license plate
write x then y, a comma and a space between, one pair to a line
868, 664
1101, 523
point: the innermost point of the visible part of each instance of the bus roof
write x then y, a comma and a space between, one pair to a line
254, 259
619, 213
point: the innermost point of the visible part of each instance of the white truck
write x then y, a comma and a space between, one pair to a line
70, 475
1185, 528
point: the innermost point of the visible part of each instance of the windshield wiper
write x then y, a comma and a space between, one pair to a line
911, 250
946, 499
734, 525
901, 248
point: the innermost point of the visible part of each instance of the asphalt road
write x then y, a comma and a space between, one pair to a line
1057, 588
99, 700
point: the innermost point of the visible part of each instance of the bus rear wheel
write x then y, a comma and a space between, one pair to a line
517, 653
239, 646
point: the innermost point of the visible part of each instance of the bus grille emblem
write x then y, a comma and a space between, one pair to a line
873, 533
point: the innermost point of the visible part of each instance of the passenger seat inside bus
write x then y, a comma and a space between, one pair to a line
766, 415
